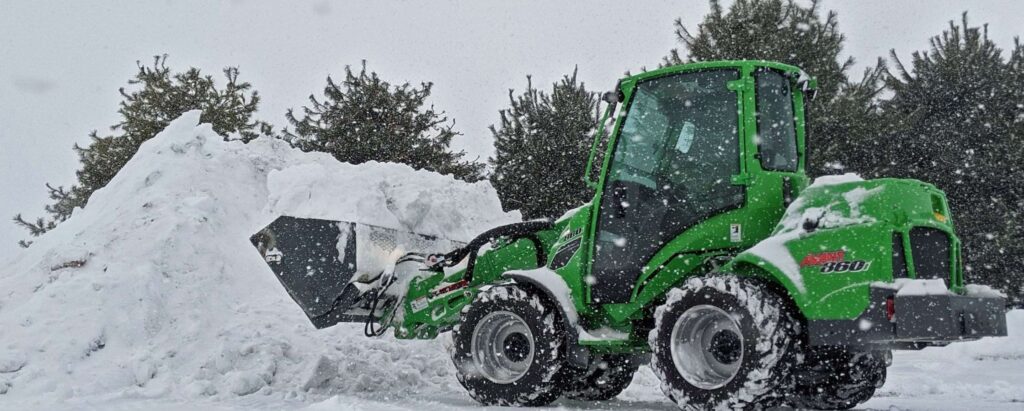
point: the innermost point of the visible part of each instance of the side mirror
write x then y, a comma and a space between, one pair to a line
809, 85
811, 94
612, 98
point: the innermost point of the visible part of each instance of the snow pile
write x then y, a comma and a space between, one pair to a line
375, 194
155, 291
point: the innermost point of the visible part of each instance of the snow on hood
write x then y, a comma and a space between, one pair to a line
154, 288
835, 179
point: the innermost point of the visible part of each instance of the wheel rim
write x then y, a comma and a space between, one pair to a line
707, 346
502, 347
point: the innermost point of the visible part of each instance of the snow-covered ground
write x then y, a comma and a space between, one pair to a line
385, 374
153, 298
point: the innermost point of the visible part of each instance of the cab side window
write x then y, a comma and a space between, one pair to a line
776, 124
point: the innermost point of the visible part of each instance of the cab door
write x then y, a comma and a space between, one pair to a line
778, 147
779, 157
677, 151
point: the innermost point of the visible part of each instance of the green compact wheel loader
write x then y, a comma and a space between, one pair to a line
706, 252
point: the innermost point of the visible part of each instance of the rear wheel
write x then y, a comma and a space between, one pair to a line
835, 378
507, 348
604, 380
723, 342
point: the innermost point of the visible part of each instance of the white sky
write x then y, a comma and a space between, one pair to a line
61, 62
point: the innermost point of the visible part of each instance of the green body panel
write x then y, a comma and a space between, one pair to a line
712, 244
862, 230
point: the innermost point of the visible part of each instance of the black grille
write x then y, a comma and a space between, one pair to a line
930, 248
564, 254
899, 261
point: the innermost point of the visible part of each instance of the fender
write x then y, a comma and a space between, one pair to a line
752, 266
770, 258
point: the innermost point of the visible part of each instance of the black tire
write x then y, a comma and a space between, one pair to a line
738, 338
835, 378
535, 346
604, 380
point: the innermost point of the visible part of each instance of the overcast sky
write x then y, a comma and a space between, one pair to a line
62, 62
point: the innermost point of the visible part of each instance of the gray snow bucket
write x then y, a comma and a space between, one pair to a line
328, 266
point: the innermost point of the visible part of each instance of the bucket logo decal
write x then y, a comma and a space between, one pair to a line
273, 256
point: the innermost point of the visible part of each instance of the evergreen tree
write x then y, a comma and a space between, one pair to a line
541, 148
1015, 167
367, 119
785, 31
955, 119
153, 98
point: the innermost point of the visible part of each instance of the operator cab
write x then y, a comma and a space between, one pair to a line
678, 159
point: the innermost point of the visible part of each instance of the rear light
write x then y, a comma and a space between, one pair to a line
939, 209
890, 309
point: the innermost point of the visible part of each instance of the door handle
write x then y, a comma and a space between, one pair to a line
740, 179
619, 195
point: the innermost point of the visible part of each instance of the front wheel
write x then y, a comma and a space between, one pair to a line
508, 347
723, 342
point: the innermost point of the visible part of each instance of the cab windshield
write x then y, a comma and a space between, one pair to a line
680, 129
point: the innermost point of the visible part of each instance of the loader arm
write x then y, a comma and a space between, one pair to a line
435, 298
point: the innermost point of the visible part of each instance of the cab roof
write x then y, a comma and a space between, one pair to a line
743, 65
